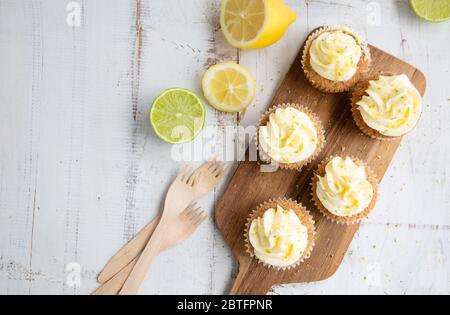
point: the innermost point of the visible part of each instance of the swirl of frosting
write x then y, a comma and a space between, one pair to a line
344, 190
278, 237
289, 137
392, 105
335, 55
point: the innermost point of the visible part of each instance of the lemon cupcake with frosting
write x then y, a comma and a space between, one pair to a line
386, 106
344, 189
280, 234
335, 58
290, 136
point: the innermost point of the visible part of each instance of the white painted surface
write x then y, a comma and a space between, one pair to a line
81, 171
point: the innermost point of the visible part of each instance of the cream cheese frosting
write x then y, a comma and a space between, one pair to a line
289, 137
344, 190
278, 237
392, 105
335, 55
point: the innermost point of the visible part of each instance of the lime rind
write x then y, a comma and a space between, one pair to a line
177, 116
435, 11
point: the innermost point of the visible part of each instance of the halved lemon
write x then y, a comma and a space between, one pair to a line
229, 87
250, 24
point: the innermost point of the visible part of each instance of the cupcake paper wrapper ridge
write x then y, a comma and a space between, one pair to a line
317, 124
328, 86
371, 177
358, 93
304, 216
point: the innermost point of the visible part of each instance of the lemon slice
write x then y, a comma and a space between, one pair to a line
250, 24
229, 87
432, 10
177, 116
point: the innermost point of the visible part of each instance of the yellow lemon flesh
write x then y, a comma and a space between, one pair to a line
251, 24
229, 87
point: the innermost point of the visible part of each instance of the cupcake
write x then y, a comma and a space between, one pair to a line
280, 234
335, 59
386, 106
290, 136
344, 190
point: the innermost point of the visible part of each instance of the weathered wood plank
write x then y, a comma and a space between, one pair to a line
78, 172
20, 98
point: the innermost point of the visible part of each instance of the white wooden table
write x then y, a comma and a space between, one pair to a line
81, 171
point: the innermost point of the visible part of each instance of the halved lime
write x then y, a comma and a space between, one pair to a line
177, 116
432, 10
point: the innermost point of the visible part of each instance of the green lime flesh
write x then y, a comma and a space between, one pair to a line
432, 10
177, 116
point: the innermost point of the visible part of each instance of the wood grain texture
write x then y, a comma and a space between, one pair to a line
250, 187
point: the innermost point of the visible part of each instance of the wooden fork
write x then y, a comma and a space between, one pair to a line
180, 229
209, 175
181, 194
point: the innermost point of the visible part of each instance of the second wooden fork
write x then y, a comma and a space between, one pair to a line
182, 192
181, 228
209, 176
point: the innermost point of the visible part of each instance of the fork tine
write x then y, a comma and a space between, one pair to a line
212, 164
216, 167
196, 174
207, 165
190, 209
183, 172
196, 223
222, 172
186, 174
201, 219
198, 171
190, 179
193, 212
198, 215
194, 178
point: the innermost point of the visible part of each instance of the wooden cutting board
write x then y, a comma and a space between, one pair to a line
249, 187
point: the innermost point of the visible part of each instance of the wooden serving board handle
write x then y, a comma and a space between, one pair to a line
243, 283
249, 187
